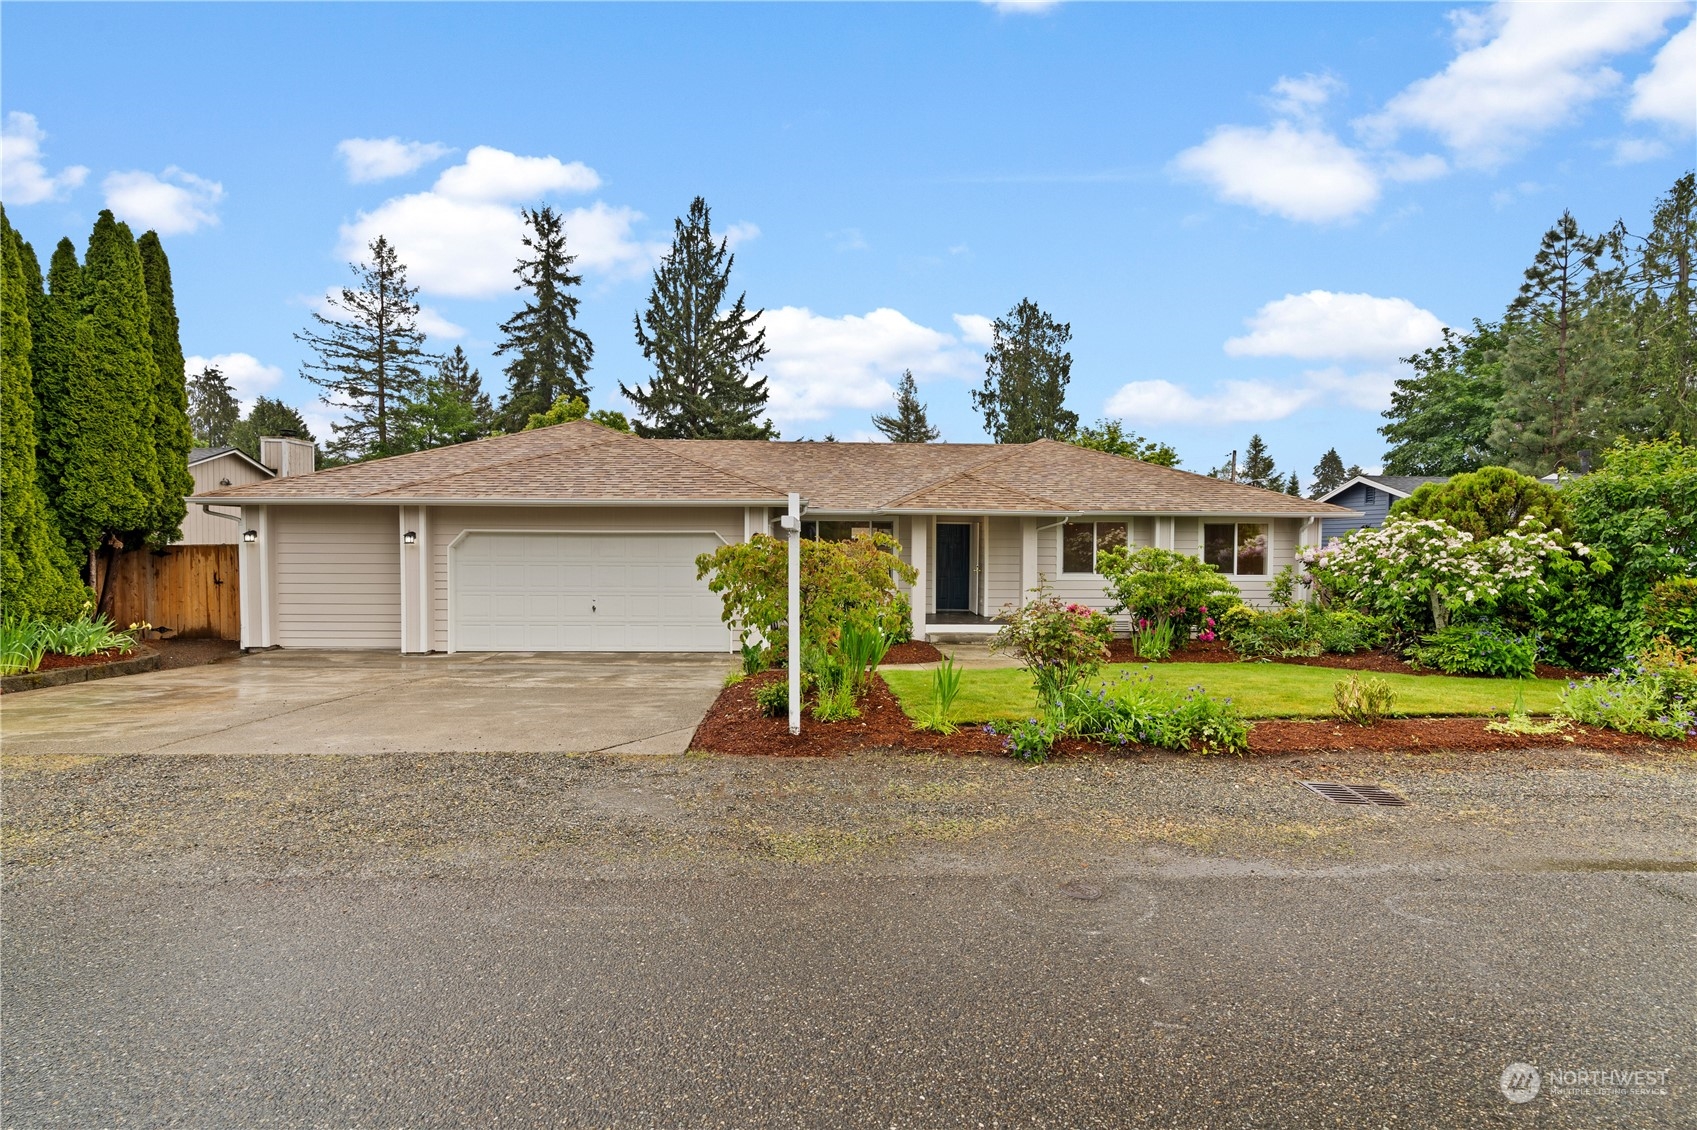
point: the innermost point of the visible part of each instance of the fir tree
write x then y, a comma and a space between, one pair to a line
1293, 484
551, 355
449, 407
172, 436
268, 418
909, 424
1025, 379
1665, 315
213, 408
704, 355
369, 354
37, 579
1258, 469
1329, 474
466, 383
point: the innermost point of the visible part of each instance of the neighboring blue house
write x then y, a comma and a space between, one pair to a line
1373, 495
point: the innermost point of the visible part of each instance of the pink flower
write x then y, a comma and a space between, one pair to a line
1210, 621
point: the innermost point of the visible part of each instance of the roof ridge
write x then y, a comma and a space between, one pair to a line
1001, 451
655, 445
608, 438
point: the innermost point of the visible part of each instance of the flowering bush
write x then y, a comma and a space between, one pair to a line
1419, 572
1030, 741
1059, 643
1157, 585
1635, 701
1134, 711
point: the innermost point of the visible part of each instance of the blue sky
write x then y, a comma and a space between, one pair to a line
1246, 212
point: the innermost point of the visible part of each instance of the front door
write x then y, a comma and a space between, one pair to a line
954, 567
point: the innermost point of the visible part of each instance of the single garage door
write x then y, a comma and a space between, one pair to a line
583, 592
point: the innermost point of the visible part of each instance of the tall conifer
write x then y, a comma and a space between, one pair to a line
37, 579
550, 355
213, 408
703, 354
909, 424
172, 436
1026, 375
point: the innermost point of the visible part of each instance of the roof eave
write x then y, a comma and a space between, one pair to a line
219, 499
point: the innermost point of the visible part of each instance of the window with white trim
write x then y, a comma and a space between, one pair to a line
1081, 542
1237, 549
834, 530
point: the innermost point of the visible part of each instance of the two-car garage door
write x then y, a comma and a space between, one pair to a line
582, 592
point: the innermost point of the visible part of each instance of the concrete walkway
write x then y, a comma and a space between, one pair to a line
293, 702
973, 655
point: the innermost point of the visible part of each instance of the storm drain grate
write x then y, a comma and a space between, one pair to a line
1339, 793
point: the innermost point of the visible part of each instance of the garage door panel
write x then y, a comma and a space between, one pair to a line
544, 591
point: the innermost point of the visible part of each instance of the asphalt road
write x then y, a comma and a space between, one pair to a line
1193, 993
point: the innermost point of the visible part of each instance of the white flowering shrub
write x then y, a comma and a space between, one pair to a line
1420, 572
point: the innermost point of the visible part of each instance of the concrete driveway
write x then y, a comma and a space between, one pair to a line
291, 702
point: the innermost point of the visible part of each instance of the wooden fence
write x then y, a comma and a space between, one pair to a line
191, 589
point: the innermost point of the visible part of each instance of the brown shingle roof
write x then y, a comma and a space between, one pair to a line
583, 462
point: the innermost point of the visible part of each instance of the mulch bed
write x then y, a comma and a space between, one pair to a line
1379, 662
53, 661
913, 651
734, 725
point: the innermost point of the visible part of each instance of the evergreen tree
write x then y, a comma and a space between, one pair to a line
1111, 436
37, 579
213, 408
59, 371
107, 487
1440, 418
268, 418
1564, 349
172, 436
1665, 315
466, 383
550, 353
1329, 474
909, 424
369, 354
1025, 380
704, 356
1293, 484
1257, 469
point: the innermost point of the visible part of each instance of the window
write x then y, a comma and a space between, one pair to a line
1237, 549
1082, 541
843, 530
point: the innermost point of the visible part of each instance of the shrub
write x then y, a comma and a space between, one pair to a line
1363, 701
1135, 711
1631, 701
1486, 503
1059, 643
945, 686
842, 583
1676, 666
773, 698
1479, 649
1670, 611
1158, 585
1300, 631
1030, 741
1640, 504
1345, 632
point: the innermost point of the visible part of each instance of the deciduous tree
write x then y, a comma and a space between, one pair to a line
1441, 417
1113, 437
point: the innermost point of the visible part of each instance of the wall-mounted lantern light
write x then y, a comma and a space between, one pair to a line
250, 536
409, 538
223, 482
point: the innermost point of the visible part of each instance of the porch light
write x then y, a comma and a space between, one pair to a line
409, 538
250, 536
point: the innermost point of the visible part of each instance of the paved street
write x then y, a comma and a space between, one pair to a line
377, 702
545, 940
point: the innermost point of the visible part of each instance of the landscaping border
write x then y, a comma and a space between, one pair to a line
143, 659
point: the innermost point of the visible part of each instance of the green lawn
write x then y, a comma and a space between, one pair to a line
1262, 690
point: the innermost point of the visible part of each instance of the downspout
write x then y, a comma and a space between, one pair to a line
207, 507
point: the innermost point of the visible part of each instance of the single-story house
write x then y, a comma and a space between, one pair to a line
1372, 496
579, 538
214, 468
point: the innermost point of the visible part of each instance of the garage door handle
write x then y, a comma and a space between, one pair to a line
592, 607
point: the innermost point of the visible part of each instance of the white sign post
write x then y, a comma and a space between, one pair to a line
792, 526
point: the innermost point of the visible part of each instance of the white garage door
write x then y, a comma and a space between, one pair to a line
583, 592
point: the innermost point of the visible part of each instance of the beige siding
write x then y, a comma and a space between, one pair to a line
447, 523
337, 576
1003, 565
199, 527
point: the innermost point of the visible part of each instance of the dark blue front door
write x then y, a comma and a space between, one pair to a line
954, 567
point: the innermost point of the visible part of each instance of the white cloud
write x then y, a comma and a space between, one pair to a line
494, 174
1022, 7
175, 202
818, 364
1326, 324
248, 376
1667, 92
1368, 390
1143, 403
1632, 150
461, 238
1303, 97
740, 233
435, 325
976, 329
24, 178
379, 158
1297, 171
1521, 69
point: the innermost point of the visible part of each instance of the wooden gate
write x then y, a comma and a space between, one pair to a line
191, 589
